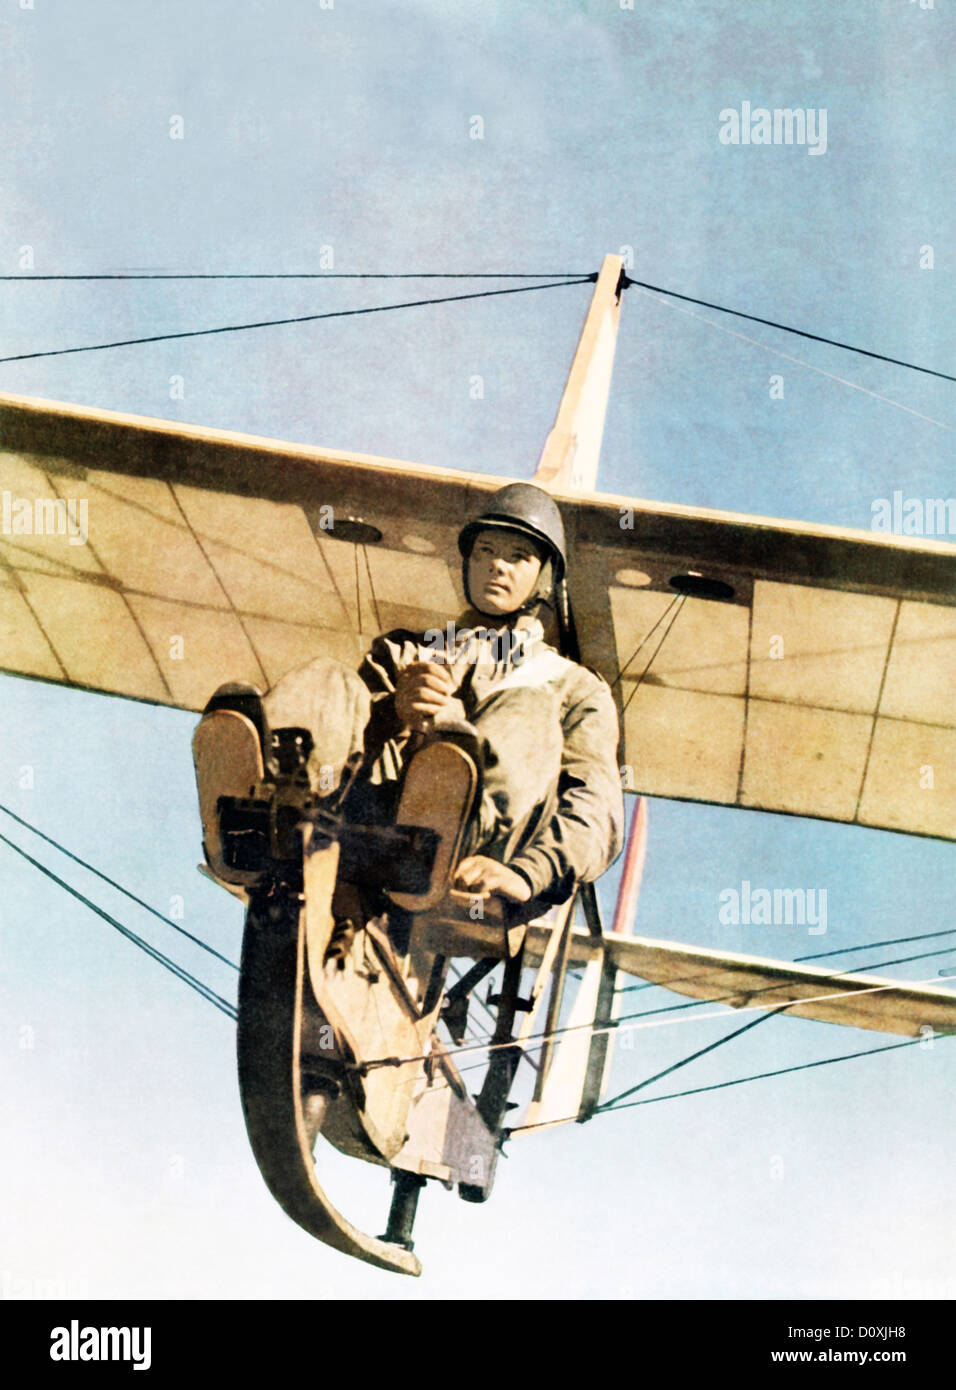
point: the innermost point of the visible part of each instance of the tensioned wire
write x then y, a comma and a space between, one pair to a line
563, 277
616, 1103
621, 1101
679, 601
221, 1004
482, 1045
733, 994
645, 1021
799, 332
299, 318
320, 275
230, 1012
735, 1081
167, 921
798, 361
694, 1055
843, 951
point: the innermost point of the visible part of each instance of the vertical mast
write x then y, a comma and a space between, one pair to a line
569, 460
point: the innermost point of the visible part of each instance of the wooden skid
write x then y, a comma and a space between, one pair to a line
309, 1018
271, 988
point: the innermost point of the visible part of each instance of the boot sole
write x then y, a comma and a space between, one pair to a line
228, 758
438, 793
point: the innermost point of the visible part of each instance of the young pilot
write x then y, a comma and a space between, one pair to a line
543, 729
551, 809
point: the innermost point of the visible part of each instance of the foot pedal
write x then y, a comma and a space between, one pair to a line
438, 794
228, 758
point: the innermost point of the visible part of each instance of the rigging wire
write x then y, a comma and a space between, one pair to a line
568, 276
300, 318
221, 1004
358, 592
823, 955
644, 640
615, 1105
787, 328
664, 636
630, 1026
735, 1081
734, 994
676, 1066
779, 1071
876, 945
323, 275
798, 361
167, 921
371, 586
773, 1011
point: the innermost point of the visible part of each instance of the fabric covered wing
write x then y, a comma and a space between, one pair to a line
820, 681
821, 684
209, 556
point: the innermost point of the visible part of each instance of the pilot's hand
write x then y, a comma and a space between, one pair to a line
483, 877
420, 691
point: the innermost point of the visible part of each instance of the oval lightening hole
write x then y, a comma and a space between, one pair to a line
699, 586
355, 530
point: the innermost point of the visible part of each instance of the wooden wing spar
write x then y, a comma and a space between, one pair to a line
805, 669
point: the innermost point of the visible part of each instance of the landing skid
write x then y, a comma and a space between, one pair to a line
336, 1038
281, 1124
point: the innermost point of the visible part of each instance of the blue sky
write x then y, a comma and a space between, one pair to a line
129, 1172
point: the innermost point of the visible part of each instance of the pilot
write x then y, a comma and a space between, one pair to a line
551, 809
543, 729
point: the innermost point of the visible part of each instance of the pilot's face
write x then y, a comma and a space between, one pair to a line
503, 568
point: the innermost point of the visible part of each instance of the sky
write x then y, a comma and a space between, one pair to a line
346, 130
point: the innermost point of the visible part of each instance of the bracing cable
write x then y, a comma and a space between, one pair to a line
676, 1066
320, 275
628, 1026
824, 955
566, 276
733, 994
299, 318
778, 1071
221, 1004
787, 328
722, 1085
166, 921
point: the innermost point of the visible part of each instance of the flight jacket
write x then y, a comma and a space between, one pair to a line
551, 805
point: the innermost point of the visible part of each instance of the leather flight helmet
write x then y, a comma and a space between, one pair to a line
525, 508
